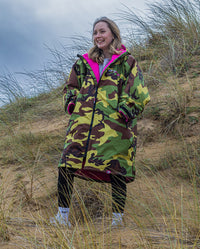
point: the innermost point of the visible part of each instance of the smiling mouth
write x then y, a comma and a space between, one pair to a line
99, 42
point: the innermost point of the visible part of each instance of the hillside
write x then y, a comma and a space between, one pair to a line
162, 209
163, 203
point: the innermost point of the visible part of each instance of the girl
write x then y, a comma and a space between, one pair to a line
104, 94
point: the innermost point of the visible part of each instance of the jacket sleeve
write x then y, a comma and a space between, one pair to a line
134, 94
71, 90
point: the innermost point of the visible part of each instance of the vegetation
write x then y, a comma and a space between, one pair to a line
163, 205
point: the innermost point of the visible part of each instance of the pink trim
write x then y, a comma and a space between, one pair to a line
95, 66
123, 49
70, 108
126, 118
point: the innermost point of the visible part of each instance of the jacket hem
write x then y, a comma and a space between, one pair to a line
91, 175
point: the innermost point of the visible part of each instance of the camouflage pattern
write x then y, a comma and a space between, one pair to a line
102, 131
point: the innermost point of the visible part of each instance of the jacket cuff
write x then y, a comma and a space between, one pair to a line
127, 111
70, 108
124, 116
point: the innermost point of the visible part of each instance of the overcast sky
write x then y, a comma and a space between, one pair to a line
28, 26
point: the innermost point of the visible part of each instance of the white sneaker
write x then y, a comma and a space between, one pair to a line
61, 217
117, 220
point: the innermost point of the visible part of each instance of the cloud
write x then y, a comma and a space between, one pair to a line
26, 26
21, 34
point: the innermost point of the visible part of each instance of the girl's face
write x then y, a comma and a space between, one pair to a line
102, 36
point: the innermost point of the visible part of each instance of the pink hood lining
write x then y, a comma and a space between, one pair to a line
95, 66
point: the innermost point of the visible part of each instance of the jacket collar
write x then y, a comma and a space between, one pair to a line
95, 66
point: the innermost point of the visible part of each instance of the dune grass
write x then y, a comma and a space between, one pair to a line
163, 206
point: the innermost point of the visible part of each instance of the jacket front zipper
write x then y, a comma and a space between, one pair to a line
91, 124
93, 112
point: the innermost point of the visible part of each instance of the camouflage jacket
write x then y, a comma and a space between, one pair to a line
102, 131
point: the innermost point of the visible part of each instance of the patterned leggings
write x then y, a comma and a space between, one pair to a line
65, 189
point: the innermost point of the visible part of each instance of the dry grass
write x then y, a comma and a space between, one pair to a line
163, 206
162, 209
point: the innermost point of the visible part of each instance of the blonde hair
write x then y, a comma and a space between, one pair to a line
95, 53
